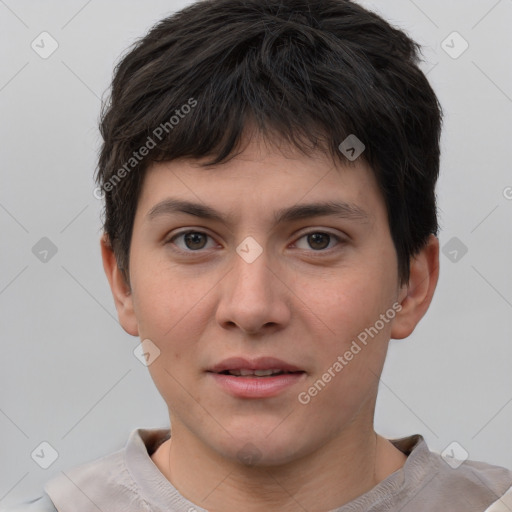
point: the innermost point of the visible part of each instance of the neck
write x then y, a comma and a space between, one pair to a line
332, 476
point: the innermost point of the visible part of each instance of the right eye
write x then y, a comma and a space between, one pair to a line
192, 241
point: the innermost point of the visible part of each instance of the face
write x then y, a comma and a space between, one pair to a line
303, 289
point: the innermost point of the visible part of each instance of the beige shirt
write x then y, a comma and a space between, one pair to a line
129, 481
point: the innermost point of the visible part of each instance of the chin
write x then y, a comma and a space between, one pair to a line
262, 450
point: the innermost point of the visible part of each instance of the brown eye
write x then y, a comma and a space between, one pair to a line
192, 241
195, 240
318, 241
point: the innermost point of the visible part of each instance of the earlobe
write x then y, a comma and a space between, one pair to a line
416, 296
121, 292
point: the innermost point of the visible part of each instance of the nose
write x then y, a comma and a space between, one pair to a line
253, 298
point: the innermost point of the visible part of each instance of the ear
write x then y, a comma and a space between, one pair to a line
120, 289
415, 296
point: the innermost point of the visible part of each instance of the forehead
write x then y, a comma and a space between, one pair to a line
263, 179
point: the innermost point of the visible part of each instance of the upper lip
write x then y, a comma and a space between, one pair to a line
261, 363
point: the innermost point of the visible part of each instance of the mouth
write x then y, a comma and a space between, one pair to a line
243, 372
260, 367
258, 378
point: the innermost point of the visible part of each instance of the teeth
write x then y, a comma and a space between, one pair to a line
257, 373
264, 373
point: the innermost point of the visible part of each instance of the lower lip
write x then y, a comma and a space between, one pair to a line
257, 387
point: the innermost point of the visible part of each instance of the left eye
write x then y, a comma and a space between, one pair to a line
317, 240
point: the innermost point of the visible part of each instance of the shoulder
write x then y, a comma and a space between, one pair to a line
471, 485
431, 480
127, 477
481, 474
41, 504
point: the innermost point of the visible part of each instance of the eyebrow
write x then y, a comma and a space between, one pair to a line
338, 209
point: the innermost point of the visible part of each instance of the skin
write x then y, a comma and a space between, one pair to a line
300, 302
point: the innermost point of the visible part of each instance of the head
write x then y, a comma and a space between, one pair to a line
242, 107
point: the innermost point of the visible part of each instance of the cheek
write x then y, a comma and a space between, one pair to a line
167, 301
349, 304
352, 351
171, 314
348, 300
173, 310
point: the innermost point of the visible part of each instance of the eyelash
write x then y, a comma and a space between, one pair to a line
170, 241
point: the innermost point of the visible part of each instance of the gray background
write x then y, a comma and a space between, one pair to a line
68, 373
